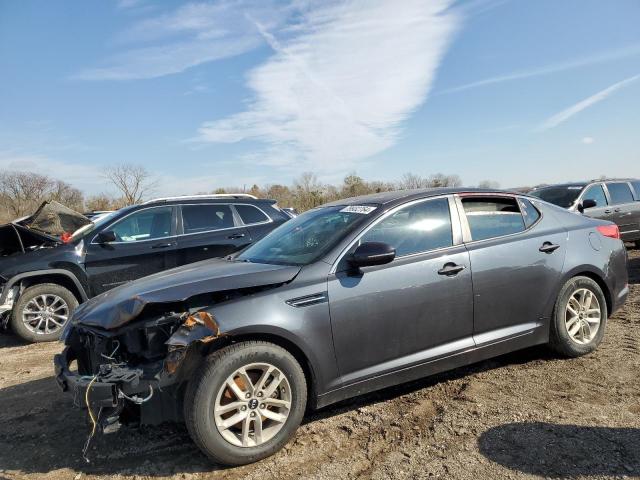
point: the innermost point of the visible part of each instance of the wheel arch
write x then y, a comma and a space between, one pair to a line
595, 275
61, 277
290, 346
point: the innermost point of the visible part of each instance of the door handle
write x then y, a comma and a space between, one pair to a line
548, 247
451, 269
617, 210
162, 245
608, 210
236, 235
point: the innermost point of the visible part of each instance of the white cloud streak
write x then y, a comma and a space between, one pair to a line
191, 35
549, 69
567, 113
338, 90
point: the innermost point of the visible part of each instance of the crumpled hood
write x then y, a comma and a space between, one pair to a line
123, 304
55, 219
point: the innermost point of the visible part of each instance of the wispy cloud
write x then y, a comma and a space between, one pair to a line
567, 113
193, 34
339, 88
602, 57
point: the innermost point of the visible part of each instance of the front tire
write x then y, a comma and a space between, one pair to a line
41, 312
245, 403
579, 318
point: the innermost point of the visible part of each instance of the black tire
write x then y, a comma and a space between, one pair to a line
203, 389
637, 244
559, 338
18, 326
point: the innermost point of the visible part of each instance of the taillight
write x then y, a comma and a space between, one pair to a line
65, 237
611, 231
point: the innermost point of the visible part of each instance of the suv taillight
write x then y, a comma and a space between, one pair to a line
611, 231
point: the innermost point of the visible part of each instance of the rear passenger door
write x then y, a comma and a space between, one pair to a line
625, 210
209, 230
255, 219
516, 258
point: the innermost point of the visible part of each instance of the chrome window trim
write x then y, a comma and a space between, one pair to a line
270, 220
584, 191
136, 242
236, 216
455, 230
468, 238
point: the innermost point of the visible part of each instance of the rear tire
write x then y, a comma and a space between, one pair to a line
270, 406
42, 311
579, 318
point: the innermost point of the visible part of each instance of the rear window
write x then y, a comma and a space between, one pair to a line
251, 214
564, 196
619, 193
492, 217
205, 218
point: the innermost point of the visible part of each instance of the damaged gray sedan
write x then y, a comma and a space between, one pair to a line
345, 299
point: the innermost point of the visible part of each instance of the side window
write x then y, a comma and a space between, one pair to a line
418, 228
636, 187
619, 193
145, 224
492, 217
206, 217
251, 214
595, 193
529, 212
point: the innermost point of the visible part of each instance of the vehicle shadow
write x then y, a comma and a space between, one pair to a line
634, 270
40, 422
563, 451
8, 340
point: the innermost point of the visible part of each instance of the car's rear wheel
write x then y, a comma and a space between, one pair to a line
579, 318
245, 402
41, 312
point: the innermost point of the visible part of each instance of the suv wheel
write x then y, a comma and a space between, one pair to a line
245, 402
42, 311
579, 318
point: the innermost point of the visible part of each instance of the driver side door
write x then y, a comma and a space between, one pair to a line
409, 311
145, 244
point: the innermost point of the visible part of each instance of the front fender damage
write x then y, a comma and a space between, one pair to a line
134, 374
200, 327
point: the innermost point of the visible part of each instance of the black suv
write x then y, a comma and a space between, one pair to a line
615, 200
44, 277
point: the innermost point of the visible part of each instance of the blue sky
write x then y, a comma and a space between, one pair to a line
209, 94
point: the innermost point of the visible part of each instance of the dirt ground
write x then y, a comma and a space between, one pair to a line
523, 415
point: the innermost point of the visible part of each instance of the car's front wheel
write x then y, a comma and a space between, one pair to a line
246, 402
42, 311
579, 318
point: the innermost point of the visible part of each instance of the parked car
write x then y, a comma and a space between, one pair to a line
342, 300
44, 277
615, 200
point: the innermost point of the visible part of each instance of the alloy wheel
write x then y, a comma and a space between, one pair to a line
583, 316
45, 314
252, 405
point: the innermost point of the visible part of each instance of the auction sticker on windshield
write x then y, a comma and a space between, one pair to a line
364, 209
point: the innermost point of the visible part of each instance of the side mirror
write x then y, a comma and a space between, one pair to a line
587, 203
372, 253
106, 237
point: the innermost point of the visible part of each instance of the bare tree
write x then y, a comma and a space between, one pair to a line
490, 184
134, 182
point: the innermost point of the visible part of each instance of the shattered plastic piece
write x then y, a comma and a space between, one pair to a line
199, 327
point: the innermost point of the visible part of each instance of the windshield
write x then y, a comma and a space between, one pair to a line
81, 232
562, 196
306, 238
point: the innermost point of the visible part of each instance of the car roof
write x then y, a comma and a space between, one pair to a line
585, 183
226, 198
400, 196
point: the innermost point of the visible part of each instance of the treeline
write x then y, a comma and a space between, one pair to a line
22, 192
